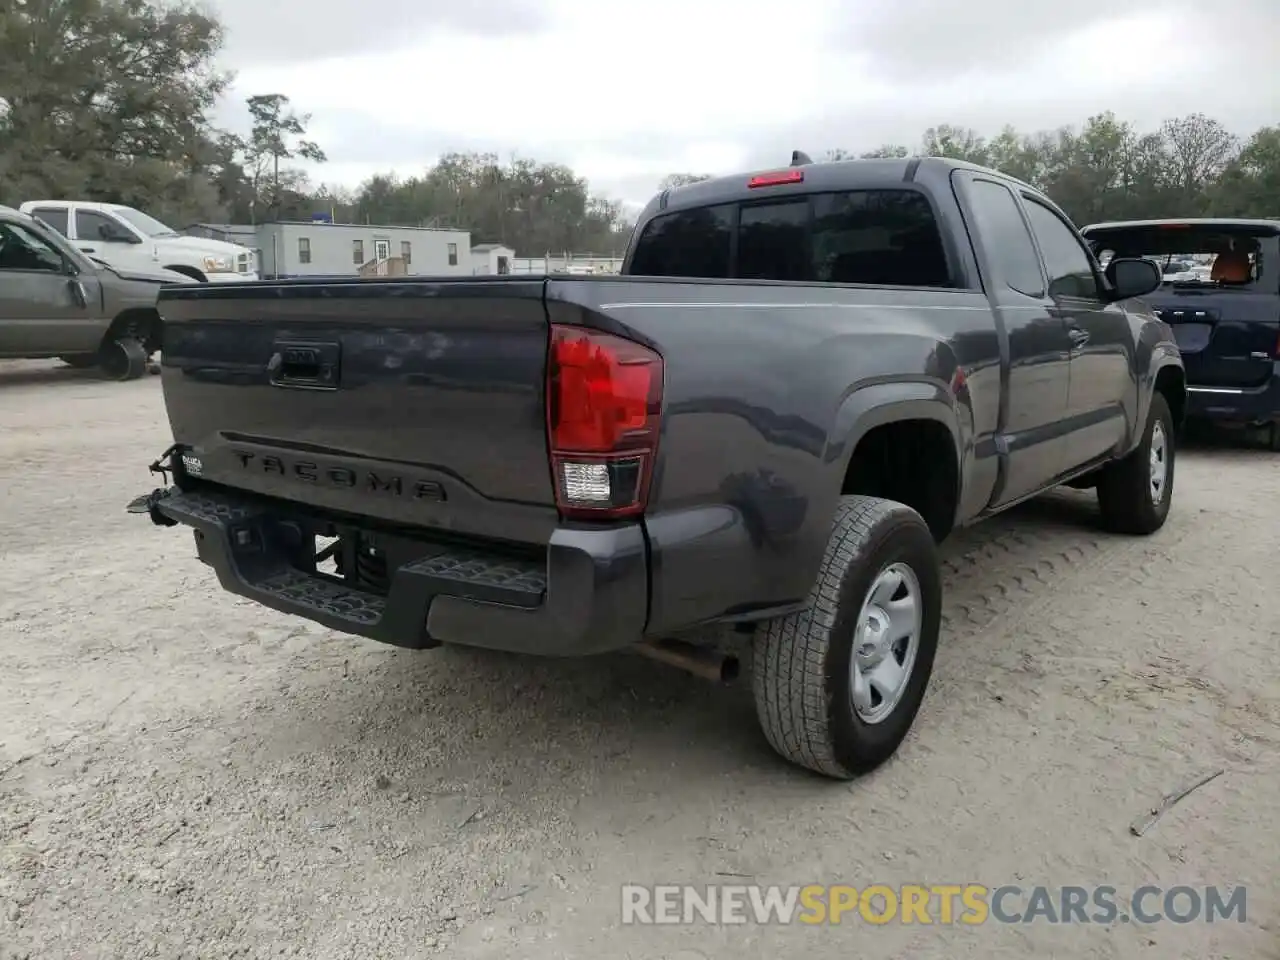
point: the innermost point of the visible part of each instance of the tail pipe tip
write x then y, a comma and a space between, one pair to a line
702, 662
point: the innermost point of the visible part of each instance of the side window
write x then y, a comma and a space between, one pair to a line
772, 241
883, 237
90, 227
691, 243
1005, 237
20, 249
1069, 267
54, 217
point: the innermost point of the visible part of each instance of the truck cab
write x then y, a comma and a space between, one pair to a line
125, 237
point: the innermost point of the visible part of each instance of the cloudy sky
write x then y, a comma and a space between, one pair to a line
626, 91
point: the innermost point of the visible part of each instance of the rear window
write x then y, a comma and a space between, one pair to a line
882, 237
1225, 257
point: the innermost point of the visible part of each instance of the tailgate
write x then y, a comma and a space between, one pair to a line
1227, 338
412, 401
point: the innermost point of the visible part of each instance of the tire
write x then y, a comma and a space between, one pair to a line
801, 676
80, 361
1127, 491
123, 359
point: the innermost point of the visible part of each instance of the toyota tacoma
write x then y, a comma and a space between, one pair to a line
801, 382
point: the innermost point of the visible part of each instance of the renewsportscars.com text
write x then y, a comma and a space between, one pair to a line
944, 904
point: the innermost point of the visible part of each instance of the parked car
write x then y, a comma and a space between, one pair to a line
802, 380
1225, 317
56, 302
129, 239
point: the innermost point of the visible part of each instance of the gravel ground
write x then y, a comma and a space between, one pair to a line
183, 773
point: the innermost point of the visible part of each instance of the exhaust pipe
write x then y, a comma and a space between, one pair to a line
699, 661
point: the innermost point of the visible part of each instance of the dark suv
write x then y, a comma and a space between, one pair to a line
56, 302
1227, 323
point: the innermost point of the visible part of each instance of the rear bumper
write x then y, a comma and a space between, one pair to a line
1243, 405
589, 596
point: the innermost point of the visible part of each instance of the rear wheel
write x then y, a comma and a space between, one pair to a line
123, 359
1135, 493
838, 684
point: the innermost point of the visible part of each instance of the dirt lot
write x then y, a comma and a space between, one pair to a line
186, 774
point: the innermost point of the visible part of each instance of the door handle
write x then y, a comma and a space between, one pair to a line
305, 364
1078, 336
88, 249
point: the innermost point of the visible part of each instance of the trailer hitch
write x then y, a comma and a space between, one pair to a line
148, 503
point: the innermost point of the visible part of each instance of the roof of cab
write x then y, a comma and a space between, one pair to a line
819, 176
1230, 223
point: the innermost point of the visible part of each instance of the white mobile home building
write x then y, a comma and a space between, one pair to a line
319, 249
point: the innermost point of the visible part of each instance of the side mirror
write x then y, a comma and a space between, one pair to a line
1132, 277
110, 233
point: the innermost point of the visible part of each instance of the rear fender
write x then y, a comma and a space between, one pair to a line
884, 402
880, 403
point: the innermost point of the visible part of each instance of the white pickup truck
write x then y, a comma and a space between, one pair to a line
129, 239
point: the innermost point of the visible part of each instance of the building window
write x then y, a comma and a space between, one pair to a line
406, 252
304, 250
357, 252
453, 254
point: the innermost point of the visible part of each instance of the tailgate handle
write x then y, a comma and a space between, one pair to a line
308, 365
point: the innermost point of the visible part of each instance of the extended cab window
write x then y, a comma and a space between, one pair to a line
691, 243
1068, 265
882, 237
1006, 238
54, 217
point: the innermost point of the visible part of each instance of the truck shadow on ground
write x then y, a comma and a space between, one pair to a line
493, 723
30, 374
39, 373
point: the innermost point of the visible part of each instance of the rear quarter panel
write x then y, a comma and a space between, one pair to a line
768, 388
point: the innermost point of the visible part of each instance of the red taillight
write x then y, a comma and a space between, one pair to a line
776, 179
604, 401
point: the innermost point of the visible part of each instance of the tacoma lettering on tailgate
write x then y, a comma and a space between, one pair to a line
343, 478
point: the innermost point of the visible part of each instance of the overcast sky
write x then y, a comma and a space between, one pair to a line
627, 91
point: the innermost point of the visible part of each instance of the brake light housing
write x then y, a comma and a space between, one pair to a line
604, 409
776, 179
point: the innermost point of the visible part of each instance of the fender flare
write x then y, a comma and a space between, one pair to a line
883, 402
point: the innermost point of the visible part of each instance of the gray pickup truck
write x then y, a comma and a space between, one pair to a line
801, 382
56, 302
